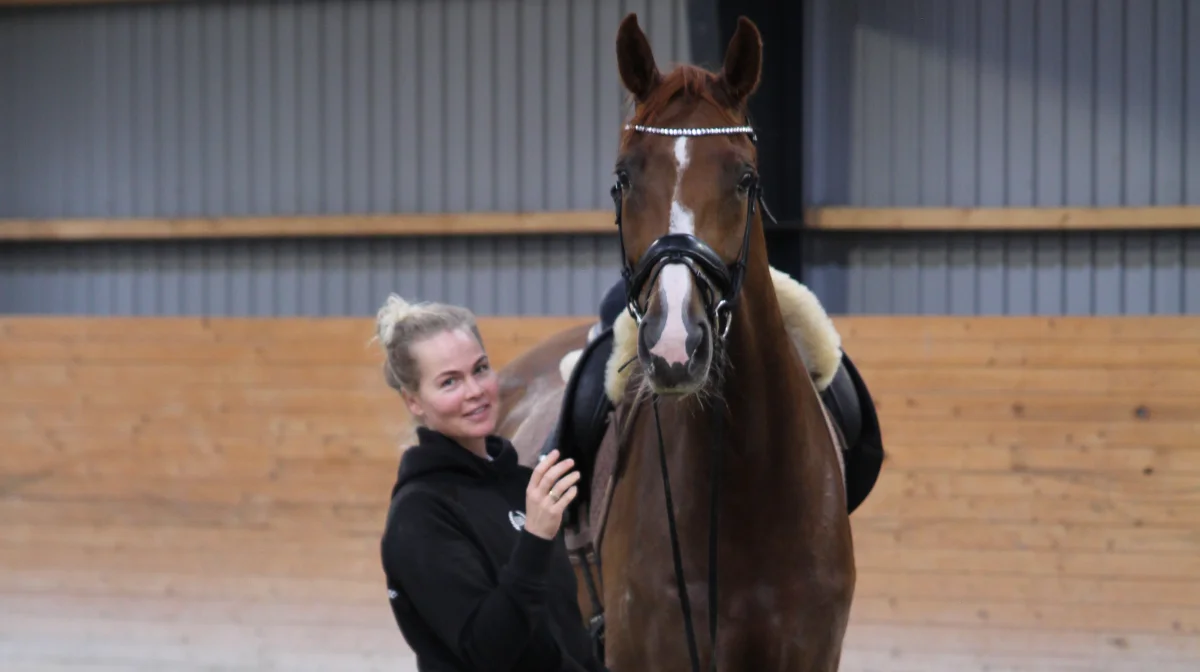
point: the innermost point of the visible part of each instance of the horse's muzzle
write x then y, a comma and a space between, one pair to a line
681, 371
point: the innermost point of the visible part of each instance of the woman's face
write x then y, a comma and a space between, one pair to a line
459, 391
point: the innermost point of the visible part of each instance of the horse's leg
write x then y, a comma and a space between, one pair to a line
765, 646
627, 606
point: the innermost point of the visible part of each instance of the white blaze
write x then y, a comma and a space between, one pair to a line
675, 282
682, 220
675, 288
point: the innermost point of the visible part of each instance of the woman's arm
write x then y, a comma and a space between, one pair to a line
490, 626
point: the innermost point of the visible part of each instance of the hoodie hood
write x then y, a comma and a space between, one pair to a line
437, 454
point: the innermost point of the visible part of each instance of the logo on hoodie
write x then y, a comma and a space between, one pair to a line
517, 518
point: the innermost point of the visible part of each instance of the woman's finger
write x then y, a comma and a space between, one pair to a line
560, 504
543, 464
563, 483
552, 476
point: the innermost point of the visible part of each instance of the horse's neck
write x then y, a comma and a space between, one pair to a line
773, 406
774, 444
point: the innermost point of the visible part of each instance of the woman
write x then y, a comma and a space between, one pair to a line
477, 572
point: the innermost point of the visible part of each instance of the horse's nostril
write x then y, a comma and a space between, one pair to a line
696, 338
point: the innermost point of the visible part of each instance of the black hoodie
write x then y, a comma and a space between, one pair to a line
470, 588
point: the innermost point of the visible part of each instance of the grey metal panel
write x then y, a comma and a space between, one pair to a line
277, 108
527, 275
1015, 102
1051, 273
281, 108
973, 103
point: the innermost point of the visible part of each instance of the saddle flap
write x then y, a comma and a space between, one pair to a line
582, 420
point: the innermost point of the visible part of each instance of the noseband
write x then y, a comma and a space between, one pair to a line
721, 283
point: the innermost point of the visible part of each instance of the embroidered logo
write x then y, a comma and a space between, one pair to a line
517, 518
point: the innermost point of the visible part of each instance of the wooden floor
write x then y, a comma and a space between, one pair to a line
181, 494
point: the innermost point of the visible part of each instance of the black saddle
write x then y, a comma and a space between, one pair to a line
583, 418
849, 402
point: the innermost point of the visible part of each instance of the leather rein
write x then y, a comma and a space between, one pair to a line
721, 284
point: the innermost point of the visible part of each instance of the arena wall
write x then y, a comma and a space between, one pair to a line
211, 491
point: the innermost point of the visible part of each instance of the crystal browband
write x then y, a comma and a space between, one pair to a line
720, 130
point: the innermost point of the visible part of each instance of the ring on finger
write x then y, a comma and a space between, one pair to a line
553, 495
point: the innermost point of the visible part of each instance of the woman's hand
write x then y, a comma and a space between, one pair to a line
548, 494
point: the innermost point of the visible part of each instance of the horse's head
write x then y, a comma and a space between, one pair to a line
686, 187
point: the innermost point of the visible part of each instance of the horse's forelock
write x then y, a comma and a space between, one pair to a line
687, 81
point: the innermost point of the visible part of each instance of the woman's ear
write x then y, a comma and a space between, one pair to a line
413, 404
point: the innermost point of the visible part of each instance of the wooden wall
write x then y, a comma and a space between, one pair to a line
181, 492
1040, 507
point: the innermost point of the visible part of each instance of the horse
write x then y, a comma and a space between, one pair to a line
715, 374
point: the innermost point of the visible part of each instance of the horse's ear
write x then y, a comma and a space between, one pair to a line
743, 61
635, 59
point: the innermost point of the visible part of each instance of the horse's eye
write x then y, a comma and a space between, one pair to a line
623, 179
746, 182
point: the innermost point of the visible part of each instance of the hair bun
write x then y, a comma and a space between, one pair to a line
390, 314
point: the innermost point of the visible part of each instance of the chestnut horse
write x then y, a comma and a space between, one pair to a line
721, 429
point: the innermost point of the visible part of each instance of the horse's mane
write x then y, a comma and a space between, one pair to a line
686, 81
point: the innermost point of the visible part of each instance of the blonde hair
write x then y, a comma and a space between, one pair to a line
399, 325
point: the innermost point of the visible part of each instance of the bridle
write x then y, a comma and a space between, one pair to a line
721, 285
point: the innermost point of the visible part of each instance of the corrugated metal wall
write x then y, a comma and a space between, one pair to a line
241, 108
371, 105
1052, 273
278, 108
1006, 103
533, 275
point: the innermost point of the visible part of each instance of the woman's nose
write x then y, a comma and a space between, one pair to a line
474, 389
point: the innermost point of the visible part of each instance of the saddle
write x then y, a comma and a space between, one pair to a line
849, 402
583, 420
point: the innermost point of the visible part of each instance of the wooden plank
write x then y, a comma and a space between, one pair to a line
892, 504
843, 218
249, 330
953, 406
1095, 380
1071, 329
1033, 456
1130, 488
314, 226
876, 534
1072, 590
69, 3
853, 329
1147, 619
1055, 432
1107, 648
876, 353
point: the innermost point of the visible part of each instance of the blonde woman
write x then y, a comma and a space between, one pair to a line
478, 575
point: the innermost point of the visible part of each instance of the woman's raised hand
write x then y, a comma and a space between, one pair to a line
549, 492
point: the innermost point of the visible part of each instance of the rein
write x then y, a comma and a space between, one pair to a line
722, 284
